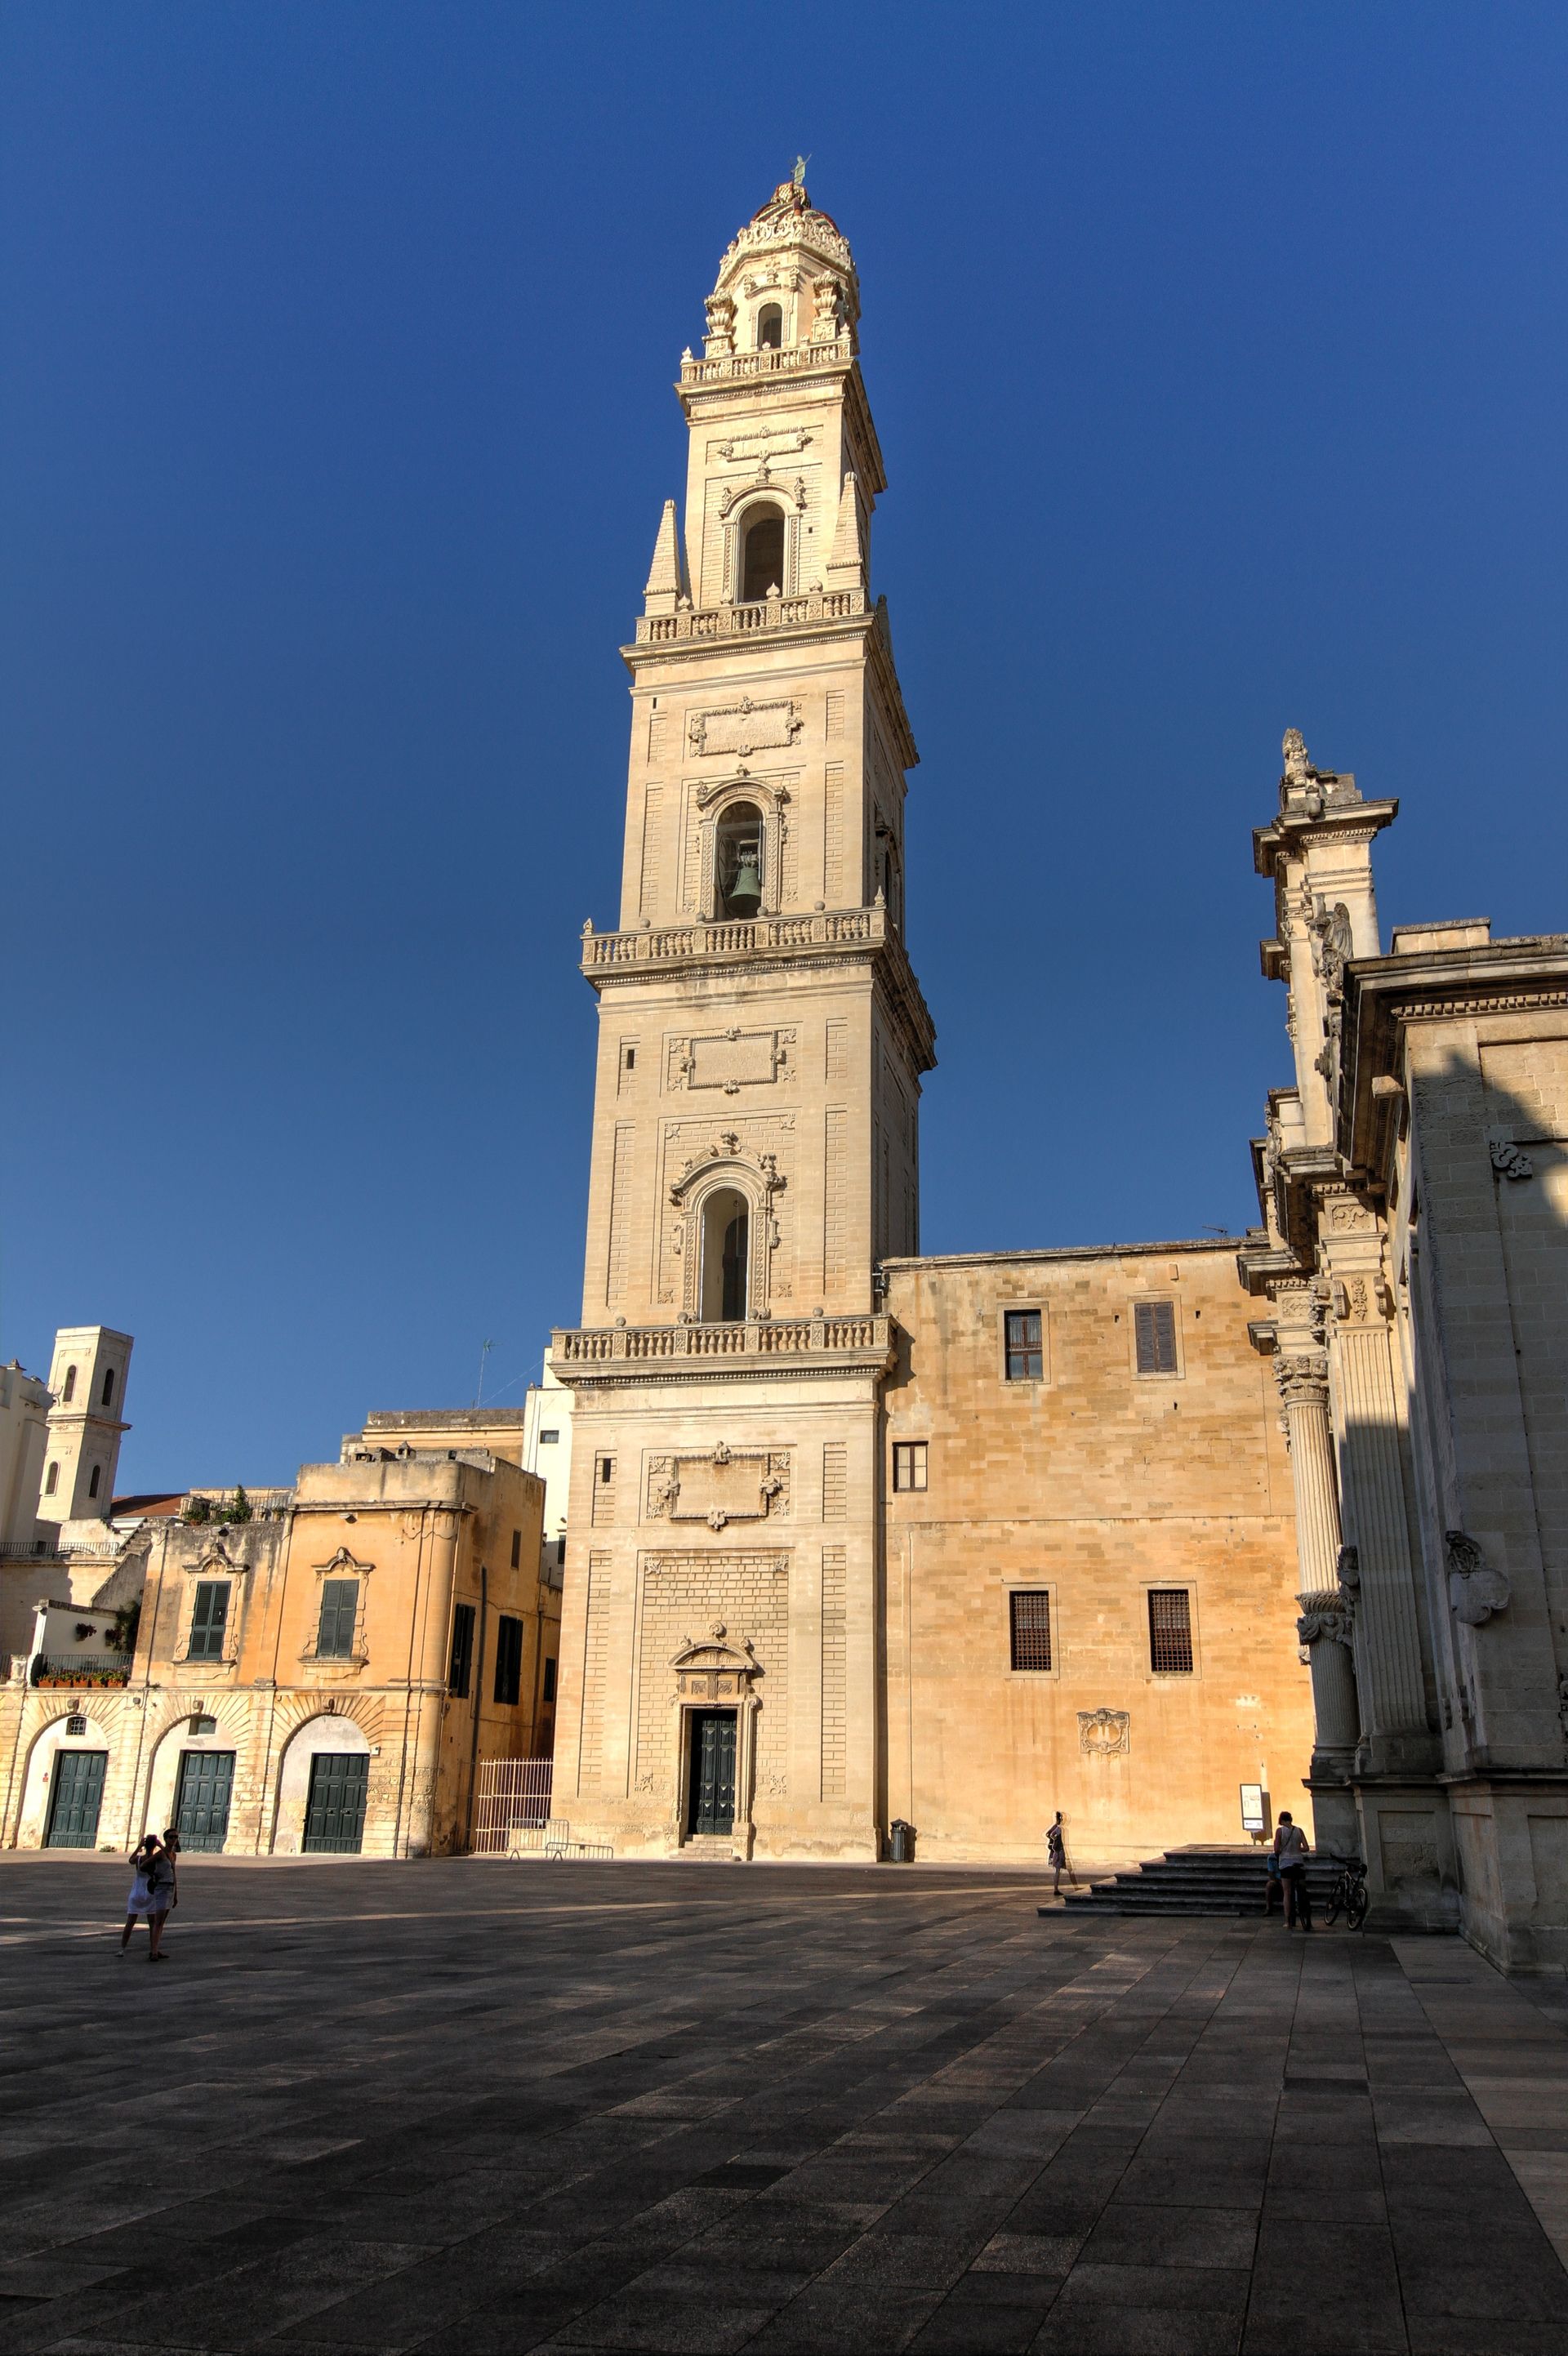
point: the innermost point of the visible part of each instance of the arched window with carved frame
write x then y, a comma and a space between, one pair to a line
770, 327
755, 809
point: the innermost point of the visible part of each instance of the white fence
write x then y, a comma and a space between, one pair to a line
511, 1805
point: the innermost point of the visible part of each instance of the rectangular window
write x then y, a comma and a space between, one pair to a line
549, 1680
339, 1610
462, 1650
210, 1620
548, 1439
508, 1658
1031, 1611
909, 1463
516, 1549
1153, 1332
1025, 1351
560, 1553
1170, 1631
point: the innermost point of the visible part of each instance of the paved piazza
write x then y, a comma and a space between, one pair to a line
474, 2106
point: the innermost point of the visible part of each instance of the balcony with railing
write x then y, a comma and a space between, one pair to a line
741, 620
597, 1352
833, 928
729, 368
80, 1670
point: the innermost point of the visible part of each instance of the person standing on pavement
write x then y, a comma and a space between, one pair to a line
1056, 1855
1291, 1851
165, 1881
140, 1903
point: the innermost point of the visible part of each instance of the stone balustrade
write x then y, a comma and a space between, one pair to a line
735, 936
729, 368
734, 621
689, 1349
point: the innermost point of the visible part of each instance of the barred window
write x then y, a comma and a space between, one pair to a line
1170, 1631
909, 1463
1153, 1329
1026, 1353
1031, 1610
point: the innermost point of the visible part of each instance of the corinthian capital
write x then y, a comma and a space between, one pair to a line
1302, 1378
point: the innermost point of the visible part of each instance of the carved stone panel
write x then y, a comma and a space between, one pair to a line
729, 1060
722, 1486
745, 727
1104, 1733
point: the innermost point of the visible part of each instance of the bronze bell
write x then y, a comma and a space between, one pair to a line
744, 894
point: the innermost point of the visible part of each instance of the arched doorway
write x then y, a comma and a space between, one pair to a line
62, 1794
726, 1257
323, 1787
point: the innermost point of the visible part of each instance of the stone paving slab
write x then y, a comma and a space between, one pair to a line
465, 2106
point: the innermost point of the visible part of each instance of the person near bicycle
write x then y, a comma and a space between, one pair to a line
1291, 1850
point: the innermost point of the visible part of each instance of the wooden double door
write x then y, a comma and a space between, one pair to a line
710, 1806
76, 1799
201, 1810
335, 1808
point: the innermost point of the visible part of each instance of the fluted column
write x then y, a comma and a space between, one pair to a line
1326, 1626
1388, 1638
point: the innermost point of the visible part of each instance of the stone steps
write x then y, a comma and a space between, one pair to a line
1195, 1881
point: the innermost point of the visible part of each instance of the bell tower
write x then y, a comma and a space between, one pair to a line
762, 1039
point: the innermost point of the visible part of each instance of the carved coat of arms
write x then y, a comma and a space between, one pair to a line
1103, 1733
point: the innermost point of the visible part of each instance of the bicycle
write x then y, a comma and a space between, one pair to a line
1348, 1895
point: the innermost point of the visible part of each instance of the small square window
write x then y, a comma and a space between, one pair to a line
909, 1464
1154, 1335
1170, 1631
548, 1439
201, 1724
1031, 1616
76, 1725
1026, 1348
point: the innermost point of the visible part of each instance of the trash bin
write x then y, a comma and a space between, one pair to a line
900, 1841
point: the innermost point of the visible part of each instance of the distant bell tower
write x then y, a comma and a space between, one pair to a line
762, 1039
87, 1377
758, 989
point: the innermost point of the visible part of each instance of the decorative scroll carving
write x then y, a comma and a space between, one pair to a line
1474, 1588
1326, 1615
1104, 1733
745, 727
724, 1485
1510, 1161
729, 1060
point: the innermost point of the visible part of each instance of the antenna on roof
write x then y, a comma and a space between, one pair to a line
484, 1349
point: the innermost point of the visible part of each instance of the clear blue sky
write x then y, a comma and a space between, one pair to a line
1218, 356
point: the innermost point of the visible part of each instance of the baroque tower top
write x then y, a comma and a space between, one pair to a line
793, 259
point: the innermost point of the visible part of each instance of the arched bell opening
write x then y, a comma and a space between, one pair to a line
769, 327
726, 1257
762, 554
737, 861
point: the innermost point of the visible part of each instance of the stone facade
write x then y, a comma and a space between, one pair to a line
753, 1612
387, 1612
1413, 1186
1070, 1501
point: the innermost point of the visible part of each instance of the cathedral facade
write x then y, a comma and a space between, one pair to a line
860, 1536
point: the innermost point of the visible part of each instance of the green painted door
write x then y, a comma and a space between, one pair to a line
335, 1811
201, 1810
711, 1807
77, 1797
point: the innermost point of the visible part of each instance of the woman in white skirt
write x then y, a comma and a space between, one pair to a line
147, 1902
